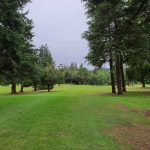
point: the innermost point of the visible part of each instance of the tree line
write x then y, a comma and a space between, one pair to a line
118, 33
82, 76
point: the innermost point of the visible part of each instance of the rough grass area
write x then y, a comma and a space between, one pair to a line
75, 118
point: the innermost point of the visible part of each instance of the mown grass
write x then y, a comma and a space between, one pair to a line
70, 118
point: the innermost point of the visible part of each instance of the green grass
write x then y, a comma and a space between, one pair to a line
70, 118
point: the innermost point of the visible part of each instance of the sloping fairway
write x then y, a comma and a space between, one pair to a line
75, 118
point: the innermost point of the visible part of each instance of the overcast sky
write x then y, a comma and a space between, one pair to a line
60, 24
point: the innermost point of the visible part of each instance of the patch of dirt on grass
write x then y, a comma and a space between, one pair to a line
5, 133
147, 113
127, 109
123, 107
137, 137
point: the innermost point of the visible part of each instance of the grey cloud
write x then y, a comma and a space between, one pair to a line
60, 23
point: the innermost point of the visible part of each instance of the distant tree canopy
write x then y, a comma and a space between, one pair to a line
82, 76
118, 33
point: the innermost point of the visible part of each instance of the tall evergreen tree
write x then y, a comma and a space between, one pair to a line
111, 23
13, 38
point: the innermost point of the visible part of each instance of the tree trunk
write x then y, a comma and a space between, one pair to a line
48, 87
118, 75
13, 88
21, 90
118, 69
35, 87
143, 84
112, 75
122, 75
143, 80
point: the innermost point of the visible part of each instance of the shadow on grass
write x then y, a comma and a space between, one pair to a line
129, 93
138, 93
148, 88
29, 93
